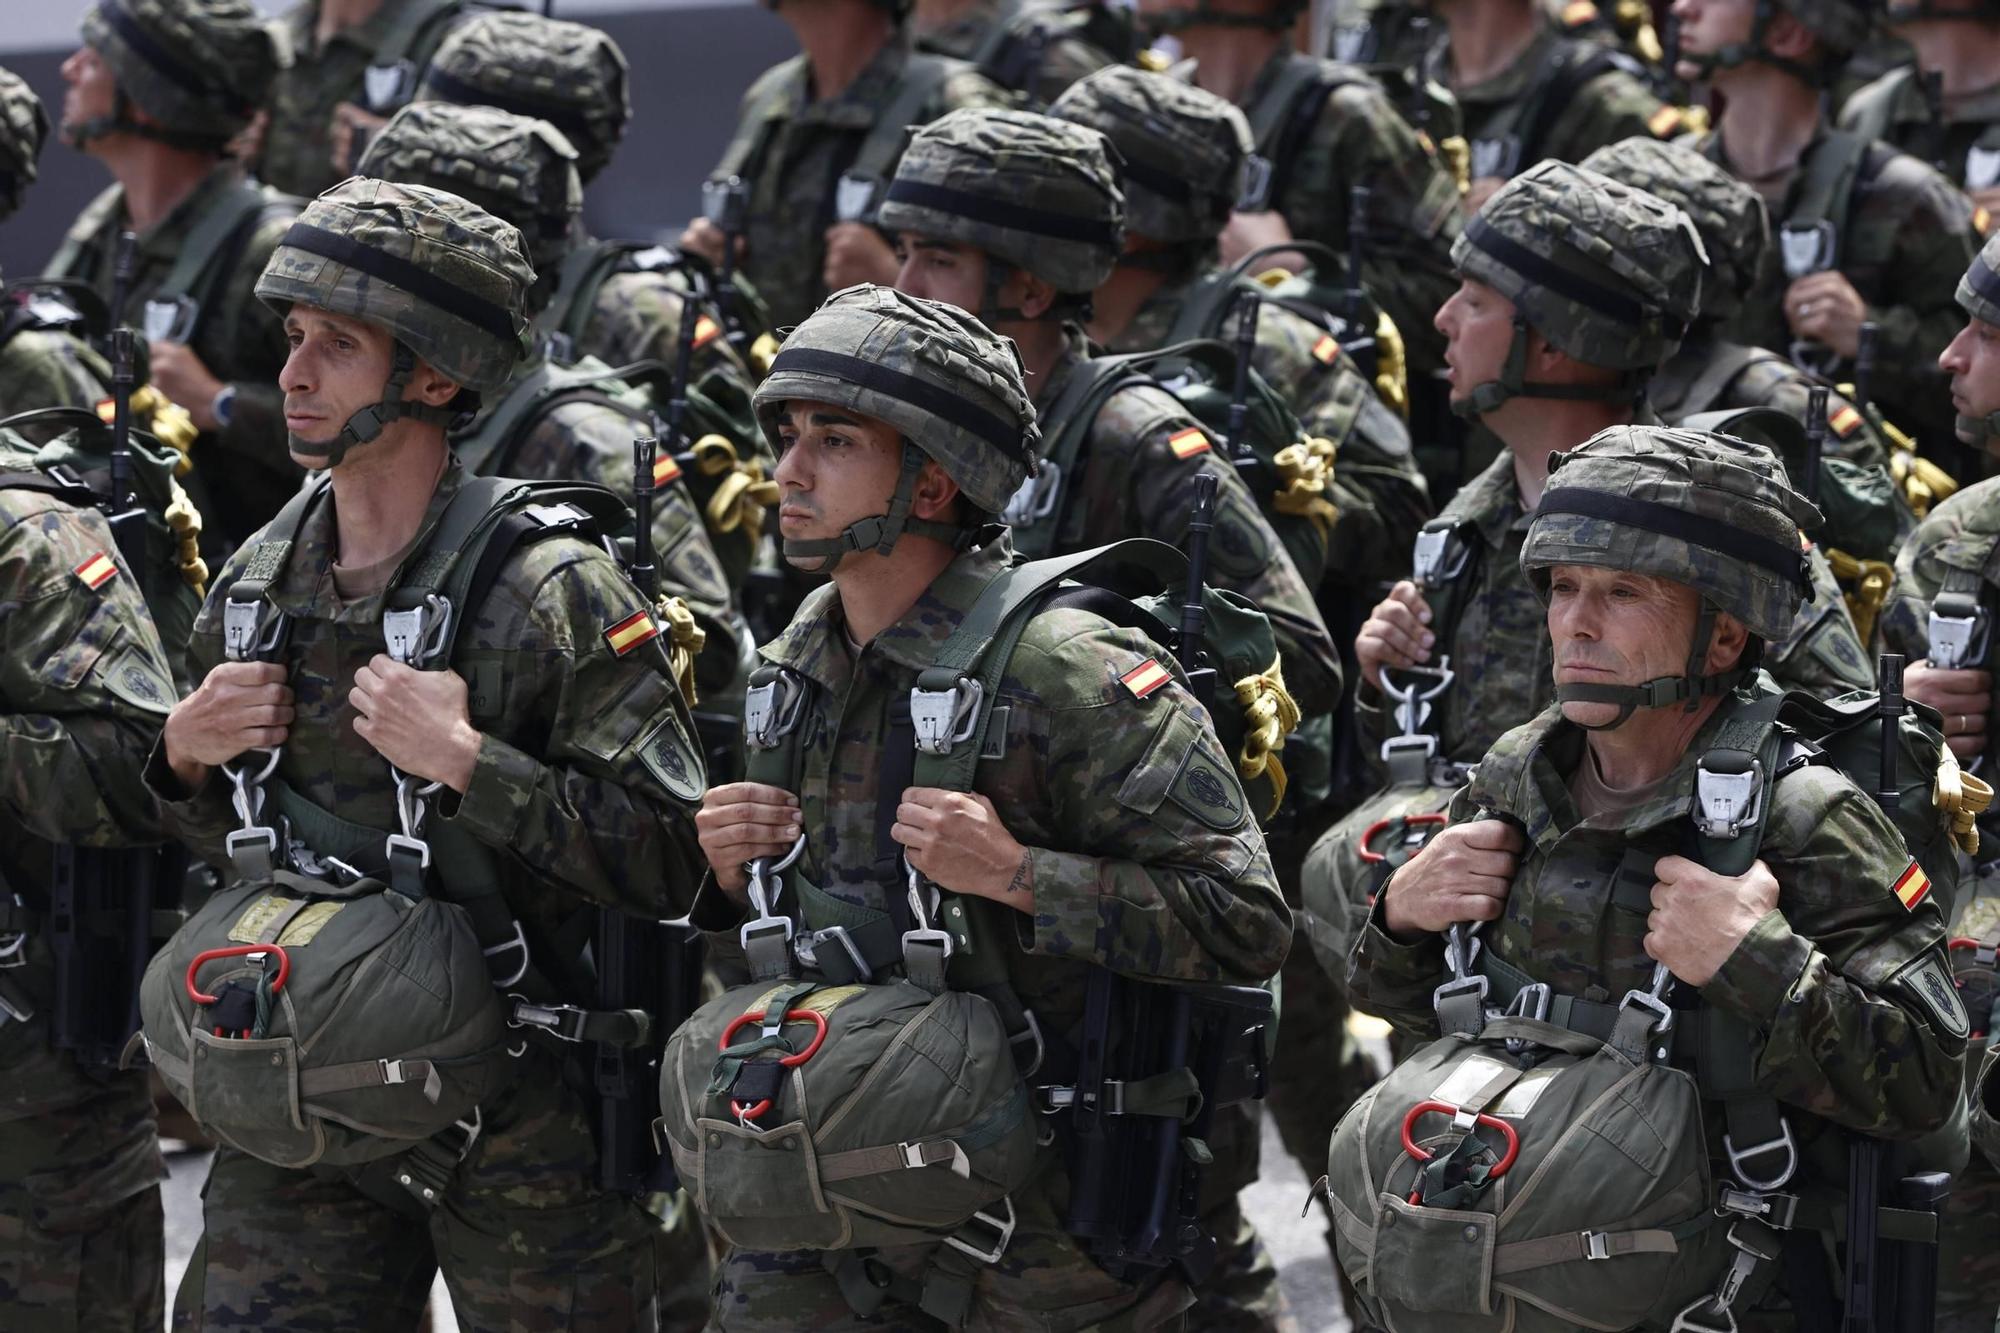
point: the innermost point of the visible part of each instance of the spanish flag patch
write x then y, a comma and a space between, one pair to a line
705, 330
666, 468
1327, 349
1143, 679
97, 571
1844, 422
1187, 443
1664, 121
633, 630
1911, 887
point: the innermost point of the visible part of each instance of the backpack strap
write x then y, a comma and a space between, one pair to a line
1870, 112
1522, 127
923, 80
584, 271
1283, 119
207, 256
487, 447
1038, 509
1445, 564
1825, 198
390, 80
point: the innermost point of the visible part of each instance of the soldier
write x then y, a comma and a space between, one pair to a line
1549, 345
552, 421
1028, 276
1030, 48
84, 688
555, 727
1944, 108
1321, 129
1864, 233
1527, 92
915, 446
1183, 152
1600, 855
1710, 372
41, 364
155, 93
1943, 602
350, 64
816, 143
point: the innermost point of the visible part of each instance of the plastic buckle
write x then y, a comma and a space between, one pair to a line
1957, 639
1002, 1227
519, 942
854, 197
1726, 802
415, 636
809, 950
945, 718
771, 711
1422, 745
1438, 558
1779, 1211
1783, 1143
1035, 499
170, 319
244, 837
1596, 1245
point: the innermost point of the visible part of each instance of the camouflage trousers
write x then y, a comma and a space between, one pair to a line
1044, 1283
526, 1240
80, 1222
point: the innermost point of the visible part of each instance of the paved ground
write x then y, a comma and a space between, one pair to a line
1273, 1203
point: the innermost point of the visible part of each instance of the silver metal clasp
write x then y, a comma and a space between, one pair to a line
416, 635
1958, 632
765, 890
1728, 793
1784, 1144
1438, 556
1002, 1228
252, 630
771, 711
945, 718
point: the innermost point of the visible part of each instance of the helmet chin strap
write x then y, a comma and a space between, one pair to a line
1744, 52
1512, 383
1691, 687
120, 121
882, 531
367, 424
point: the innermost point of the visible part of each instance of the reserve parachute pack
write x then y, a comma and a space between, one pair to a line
1543, 1165
834, 1104
355, 994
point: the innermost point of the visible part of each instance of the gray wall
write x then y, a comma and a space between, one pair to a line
690, 65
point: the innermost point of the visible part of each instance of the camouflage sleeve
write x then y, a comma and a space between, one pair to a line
1172, 880
967, 88
606, 811
1823, 655
83, 680
1394, 979
637, 317
1611, 107
1413, 209
40, 368
1245, 555
1906, 618
1933, 244
1848, 987
248, 349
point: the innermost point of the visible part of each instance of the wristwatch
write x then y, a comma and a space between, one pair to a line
223, 406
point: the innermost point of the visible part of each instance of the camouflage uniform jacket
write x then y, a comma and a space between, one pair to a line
1964, 144
1063, 57
810, 143
1613, 105
1499, 647
637, 317
297, 154
1360, 138
1131, 870
50, 368
586, 771
1382, 497
1962, 532
1711, 374
586, 439
1905, 243
242, 473
1830, 981
84, 689
1134, 481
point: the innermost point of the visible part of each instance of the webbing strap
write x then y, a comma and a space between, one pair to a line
205, 248
85, 242
582, 275
1827, 192
923, 79
746, 151
331, 1079
1065, 427
1520, 1256
269, 557
399, 42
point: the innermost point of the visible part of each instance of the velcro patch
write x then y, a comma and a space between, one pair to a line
666, 468
633, 630
1187, 443
1911, 886
1928, 982
1844, 422
258, 918
1143, 679
97, 571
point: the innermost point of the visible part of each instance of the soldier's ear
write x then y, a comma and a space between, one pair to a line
1789, 39
936, 494
1037, 295
1727, 642
430, 386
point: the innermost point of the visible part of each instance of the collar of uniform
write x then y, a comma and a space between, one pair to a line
161, 243
1512, 83
1076, 351
306, 590
1149, 327
1490, 502
861, 103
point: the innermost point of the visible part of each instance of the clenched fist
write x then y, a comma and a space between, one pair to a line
1699, 917
1462, 874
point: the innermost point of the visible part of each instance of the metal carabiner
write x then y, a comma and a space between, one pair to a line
765, 886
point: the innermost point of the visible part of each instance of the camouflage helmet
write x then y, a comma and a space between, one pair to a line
1038, 193
23, 128
1979, 296
522, 171
569, 74
444, 276
1606, 273
1728, 214
1710, 511
1184, 149
199, 68
954, 390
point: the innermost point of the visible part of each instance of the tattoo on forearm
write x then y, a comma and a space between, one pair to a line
1023, 873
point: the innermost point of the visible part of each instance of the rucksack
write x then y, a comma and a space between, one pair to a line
824, 1166
343, 1000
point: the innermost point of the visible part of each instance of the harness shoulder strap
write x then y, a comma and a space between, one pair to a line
1202, 309
206, 248
74, 257
1065, 426
404, 39
923, 79
770, 106
1574, 65
488, 445
583, 274
1707, 388
1284, 117
1828, 191
273, 552
1872, 110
